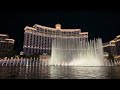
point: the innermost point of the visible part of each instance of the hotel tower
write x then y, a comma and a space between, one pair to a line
38, 39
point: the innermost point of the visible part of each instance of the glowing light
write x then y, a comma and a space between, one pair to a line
118, 36
83, 53
118, 40
27, 27
24, 46
3, 35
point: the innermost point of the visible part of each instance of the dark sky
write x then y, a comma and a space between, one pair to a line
103, 24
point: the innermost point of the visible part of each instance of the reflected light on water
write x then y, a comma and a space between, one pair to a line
59, 72
80, 72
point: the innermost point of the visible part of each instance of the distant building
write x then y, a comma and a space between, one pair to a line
113, 47
118, 45
110, 47
6, 45
38, 39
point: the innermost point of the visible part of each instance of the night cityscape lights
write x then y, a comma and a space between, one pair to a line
52, 51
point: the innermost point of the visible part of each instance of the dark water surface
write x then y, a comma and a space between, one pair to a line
59, 72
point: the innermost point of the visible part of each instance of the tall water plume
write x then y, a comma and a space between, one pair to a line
77, 52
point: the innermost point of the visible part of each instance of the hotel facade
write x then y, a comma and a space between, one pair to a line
6, 45
113, 47
38, 39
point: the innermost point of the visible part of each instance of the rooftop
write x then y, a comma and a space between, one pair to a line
57, 27
3, 35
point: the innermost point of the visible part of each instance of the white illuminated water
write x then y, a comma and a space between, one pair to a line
77, 52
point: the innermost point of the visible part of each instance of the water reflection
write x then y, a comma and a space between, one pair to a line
80, 72
115, 72
59, 72
9, 72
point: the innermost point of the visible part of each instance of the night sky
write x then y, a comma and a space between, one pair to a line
103, 24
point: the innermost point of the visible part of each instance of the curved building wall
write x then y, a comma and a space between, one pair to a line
38, 39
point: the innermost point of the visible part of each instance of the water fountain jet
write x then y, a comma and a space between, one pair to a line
77, 52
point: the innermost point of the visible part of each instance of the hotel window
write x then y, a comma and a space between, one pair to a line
45, 31
41, 30
34, 36
26, 50
27, 35
49, 31
29, 51
37, 28
36, 50
45, 39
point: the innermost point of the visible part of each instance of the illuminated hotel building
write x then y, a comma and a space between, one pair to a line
113, 47
110, 47
38, 39
6, 45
